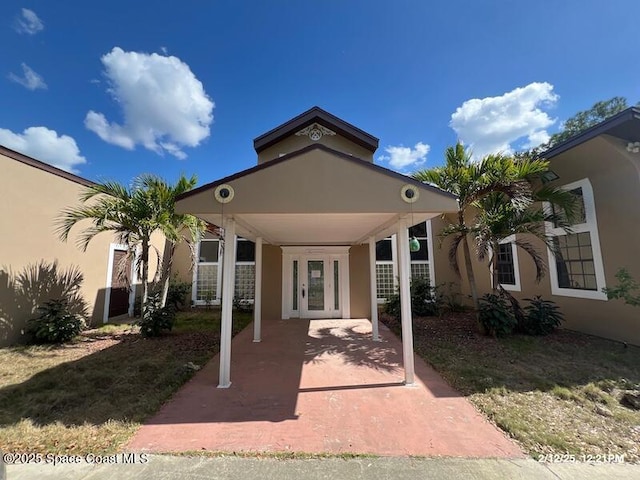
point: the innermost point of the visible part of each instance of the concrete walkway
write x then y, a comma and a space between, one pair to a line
230, 468
321, 386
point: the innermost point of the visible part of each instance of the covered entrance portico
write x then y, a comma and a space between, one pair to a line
315, 216
315, 206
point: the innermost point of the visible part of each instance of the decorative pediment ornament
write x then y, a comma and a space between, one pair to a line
315, 131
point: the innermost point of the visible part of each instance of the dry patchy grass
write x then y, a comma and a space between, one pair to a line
555, 394
90, 396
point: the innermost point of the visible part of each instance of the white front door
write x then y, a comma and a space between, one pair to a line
319, 297
315, 285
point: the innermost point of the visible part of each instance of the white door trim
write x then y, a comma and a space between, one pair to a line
328, 254
107, 292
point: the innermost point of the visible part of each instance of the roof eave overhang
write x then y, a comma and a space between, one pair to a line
45, 167
316, 146
608, 127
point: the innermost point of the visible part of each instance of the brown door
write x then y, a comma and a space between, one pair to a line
119, 300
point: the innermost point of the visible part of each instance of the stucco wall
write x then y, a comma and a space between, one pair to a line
615, 177
293, 143
359, 281
271, 282
318, 181
33, 199
182, 265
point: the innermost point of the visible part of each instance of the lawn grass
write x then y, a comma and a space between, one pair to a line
556, 394
90, 396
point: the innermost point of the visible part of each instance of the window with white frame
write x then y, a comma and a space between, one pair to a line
576, 267
385, 269
507, 265
245, 269
208, 271
386, 265
420, 259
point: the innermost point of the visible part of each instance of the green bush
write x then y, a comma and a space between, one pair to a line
156, 320
55, 323
137, 306
496, 315
177, 293
242, 305
542, 316
626, 289
447, 298
423, 300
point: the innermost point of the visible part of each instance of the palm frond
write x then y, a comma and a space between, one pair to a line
535, 255
456, 239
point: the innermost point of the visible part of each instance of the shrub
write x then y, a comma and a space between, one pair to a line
209, 298
447, 298
626, 289
55, 323
242, 305
177, 293
496, 315
423, 300
137, 306
156, 320
542, 316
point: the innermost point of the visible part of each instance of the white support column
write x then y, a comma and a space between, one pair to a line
257, 294
404, 272
373, 289
228, 286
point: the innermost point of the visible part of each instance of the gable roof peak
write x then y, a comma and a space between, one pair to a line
315, 115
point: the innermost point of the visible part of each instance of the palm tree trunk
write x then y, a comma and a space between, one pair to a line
472, 282
145, 274
493, 262
470, 276
469, 268
467, 263
167, 261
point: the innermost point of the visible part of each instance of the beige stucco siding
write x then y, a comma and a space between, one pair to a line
615, 179
294, 143
182, 266
614, 175
271, 282
359, 290
442, 272
33, 199
317, 181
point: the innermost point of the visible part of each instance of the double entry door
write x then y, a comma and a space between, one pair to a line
316, 285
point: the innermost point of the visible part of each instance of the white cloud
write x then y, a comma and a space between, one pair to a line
493, 124
401, 157
28, 22
537, 138
165, 107
29, 79
44, 145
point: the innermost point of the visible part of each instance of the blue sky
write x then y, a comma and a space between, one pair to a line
113, 89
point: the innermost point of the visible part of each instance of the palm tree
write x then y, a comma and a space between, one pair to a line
176, 227
132, 214
498, 219
472, 182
